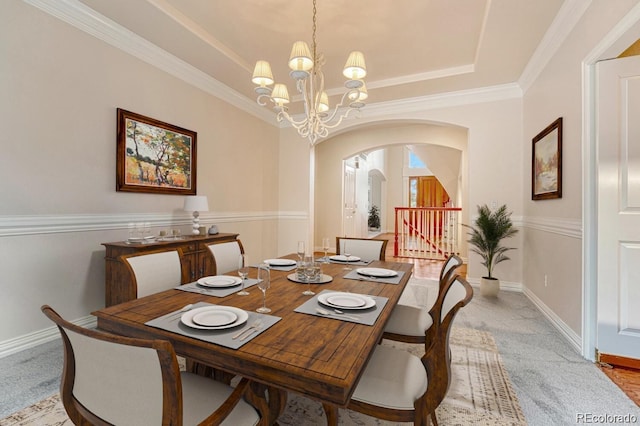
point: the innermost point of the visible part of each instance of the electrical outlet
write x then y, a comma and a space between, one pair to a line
546, 282
494, 205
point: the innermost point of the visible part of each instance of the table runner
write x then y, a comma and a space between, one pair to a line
171, 322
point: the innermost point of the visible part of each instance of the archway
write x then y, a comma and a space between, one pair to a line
392, 136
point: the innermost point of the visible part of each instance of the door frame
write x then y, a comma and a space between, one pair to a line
615, 42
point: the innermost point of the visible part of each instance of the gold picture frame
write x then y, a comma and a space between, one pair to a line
546, 165
154, 156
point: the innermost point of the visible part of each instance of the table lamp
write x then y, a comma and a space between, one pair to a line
196, 204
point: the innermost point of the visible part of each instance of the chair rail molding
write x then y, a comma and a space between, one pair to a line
53, 224
571, 228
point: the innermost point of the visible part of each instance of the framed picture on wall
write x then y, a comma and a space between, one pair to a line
154, 157
546, 168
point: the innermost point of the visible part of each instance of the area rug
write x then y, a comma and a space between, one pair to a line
480, 393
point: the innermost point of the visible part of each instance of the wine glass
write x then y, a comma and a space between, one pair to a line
347, 255
301, 250
325, 246
264, 282
243, 271
311, 270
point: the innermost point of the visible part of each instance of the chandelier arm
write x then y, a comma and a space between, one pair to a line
341, 104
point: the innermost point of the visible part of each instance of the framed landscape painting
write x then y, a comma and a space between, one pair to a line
153, 156
546, 168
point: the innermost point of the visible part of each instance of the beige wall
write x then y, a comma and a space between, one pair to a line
60, 90
556, 251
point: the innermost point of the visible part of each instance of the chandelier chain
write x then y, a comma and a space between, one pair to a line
313, 38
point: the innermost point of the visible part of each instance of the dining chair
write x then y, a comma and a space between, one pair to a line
115, 380
401, 387
152, 272
365, 248
225, 256
409, 323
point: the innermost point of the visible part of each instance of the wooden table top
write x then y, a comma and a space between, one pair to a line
315, 356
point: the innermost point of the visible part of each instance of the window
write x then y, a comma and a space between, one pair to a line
415, 162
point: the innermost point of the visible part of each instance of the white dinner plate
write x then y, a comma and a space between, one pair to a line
280, 262
377, 272
241, 317
219, 281
343, 258
337, 299
214, 318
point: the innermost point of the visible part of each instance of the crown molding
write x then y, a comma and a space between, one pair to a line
568, 16
444, 100
79, 15
84, 18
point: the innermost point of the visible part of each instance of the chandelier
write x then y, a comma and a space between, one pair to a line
306, 70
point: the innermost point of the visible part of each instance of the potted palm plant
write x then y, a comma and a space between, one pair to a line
487, 233
374, 218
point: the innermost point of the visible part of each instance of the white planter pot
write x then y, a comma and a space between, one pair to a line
489, 287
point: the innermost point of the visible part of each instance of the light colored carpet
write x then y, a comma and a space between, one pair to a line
481, 393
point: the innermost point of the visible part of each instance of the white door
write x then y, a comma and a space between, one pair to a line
350, 207
618, 165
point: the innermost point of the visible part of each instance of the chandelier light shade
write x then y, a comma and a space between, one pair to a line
355, 68
262, 76
196, 204
306, 71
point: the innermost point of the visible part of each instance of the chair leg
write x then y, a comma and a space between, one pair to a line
434, 419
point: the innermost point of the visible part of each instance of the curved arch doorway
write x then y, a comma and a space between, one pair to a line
337, 155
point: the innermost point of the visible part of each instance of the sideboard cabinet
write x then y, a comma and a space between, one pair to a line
195, 260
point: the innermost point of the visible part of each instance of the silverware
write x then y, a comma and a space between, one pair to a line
336, 313
250, 331
181, 311
251, 328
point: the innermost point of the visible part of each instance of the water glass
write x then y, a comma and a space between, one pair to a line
325, 246
301, 250
311, 269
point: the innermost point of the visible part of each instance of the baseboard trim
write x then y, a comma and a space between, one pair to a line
28, 341
572, 337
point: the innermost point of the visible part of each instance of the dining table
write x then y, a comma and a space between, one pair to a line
303, 345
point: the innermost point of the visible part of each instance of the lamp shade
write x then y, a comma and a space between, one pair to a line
323, 102
280, 94
355, 68
196, 203
262, 75
300, 59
